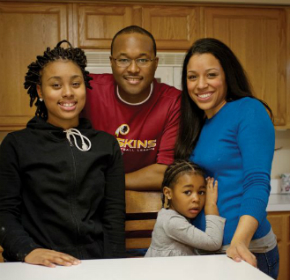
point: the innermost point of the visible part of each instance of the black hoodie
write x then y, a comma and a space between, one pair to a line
54, 196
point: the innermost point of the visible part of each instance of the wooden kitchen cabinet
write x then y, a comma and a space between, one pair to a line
26, 29
258, 38
96, 25
280, 222
173, 27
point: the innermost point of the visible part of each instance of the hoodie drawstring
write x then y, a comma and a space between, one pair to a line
73, 132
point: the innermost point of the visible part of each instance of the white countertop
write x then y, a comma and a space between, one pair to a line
218, 267
279, 202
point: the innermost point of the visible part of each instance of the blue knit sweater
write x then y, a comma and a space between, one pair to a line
236, 147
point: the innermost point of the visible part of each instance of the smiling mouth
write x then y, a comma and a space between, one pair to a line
204, 96
68, 106
133, 80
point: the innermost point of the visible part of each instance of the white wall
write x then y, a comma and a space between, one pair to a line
281, 162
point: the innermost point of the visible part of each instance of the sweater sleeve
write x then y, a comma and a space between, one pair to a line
179, 229
114, 206
256, 140
16, 242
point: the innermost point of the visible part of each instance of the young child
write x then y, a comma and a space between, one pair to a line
62, 186
186, 192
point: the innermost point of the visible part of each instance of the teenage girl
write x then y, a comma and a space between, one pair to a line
186, 192
61, 182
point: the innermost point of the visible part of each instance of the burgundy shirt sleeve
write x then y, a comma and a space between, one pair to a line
166, 150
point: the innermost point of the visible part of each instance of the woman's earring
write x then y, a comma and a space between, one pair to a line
40, 99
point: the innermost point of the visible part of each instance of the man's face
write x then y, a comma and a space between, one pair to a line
133, 81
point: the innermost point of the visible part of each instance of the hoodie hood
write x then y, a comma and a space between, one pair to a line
41, 124
56, 134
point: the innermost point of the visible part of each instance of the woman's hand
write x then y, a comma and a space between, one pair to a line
210, 207
238, 249
50, 258
239, 252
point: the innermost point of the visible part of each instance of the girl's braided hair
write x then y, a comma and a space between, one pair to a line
177, 169
33, 76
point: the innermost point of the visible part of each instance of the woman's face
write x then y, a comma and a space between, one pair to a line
206, 83
63, 91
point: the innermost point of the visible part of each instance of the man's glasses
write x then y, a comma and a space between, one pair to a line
126, 62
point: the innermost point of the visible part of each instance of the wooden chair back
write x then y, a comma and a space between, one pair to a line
1, 257
141, 214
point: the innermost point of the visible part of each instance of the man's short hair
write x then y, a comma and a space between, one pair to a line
134, 29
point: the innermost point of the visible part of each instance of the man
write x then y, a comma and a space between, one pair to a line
130, 104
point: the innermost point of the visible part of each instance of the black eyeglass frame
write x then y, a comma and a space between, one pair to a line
130, 61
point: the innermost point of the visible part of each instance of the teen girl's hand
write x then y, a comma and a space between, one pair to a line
50, 258
210, 207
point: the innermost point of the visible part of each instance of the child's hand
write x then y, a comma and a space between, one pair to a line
50, 258
211, 197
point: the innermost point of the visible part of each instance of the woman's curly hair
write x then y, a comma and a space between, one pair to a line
33, 76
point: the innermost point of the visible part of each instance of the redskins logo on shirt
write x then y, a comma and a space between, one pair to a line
122, 129
132, 144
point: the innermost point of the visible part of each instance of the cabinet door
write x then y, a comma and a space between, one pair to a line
258, 38
97, 24
287, 238
26, 29
280, 225
173, 27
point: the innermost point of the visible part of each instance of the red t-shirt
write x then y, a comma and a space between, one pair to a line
147, 132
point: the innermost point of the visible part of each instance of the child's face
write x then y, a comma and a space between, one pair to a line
63, 92
188, 195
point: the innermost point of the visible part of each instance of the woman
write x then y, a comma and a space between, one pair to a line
62, 185
227, 131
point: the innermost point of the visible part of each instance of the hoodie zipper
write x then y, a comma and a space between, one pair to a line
73, 197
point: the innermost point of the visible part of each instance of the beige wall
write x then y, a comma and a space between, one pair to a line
281, 162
